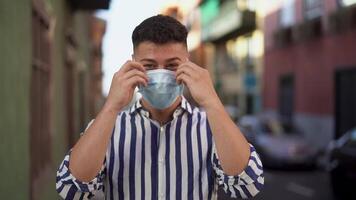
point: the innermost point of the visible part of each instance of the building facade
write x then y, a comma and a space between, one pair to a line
310, 66
50, 61
233, 41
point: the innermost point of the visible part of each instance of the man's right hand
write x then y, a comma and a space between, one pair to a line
124, 83
88, 154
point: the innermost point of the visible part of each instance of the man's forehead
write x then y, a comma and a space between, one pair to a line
152, 45
153, 59
167, 52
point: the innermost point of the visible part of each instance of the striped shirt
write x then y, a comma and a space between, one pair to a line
175, 161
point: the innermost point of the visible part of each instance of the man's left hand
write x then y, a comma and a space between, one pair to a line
199, 83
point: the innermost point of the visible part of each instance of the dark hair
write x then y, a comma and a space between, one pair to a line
160, 29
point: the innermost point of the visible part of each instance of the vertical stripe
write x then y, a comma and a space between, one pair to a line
148, 183
161, 160
120, 177
111, 164
71, 192
195, 155
204, 147
178, 159
184, 163
132, 157
143, 159
200, 157
115, 167
168, 174
208, 160
127, 155
190, 157
137, 171
172, 160
154, 158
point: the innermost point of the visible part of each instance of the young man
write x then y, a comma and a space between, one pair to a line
162, 147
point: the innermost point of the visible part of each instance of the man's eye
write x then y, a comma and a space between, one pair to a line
149, 66
172, 66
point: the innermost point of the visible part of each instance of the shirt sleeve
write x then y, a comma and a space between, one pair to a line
245, 185
68, 187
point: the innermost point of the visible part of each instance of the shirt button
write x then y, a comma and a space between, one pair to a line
161, 195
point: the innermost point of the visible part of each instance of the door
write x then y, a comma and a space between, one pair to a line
286, 99
345, 101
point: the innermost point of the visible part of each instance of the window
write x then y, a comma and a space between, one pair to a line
286, 99
287, 14
40, 141
313, 9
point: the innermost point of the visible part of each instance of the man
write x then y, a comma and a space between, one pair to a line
161, 147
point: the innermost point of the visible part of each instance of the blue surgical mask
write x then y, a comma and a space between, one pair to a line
162, 89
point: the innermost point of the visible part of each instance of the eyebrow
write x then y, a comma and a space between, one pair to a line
148, 60
154, 61
172, 59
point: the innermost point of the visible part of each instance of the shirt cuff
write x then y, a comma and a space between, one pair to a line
65, 177
251, 174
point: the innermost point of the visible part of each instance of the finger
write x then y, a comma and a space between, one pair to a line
185, 79
130, 65
135, 72
190, 65
186, 70
136, 80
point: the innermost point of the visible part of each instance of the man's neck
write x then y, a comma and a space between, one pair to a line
161, 116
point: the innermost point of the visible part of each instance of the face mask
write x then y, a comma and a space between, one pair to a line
162, 89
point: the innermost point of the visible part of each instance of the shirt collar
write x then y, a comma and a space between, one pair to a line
184, 105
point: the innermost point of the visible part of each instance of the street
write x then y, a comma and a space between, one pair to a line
294, 185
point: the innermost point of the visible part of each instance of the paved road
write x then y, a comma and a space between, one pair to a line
294, 185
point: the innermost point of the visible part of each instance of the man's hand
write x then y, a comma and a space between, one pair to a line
199, 83
88, 154
232, 147
123, 85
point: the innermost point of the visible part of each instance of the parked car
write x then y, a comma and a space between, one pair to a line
277, 147
342, 165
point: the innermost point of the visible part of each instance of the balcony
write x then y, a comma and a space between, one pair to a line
306, 30
228, 23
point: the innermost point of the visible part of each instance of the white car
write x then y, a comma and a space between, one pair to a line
277, 147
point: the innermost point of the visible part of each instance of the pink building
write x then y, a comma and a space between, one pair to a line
310, 66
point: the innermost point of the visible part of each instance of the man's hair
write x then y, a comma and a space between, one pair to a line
160, 29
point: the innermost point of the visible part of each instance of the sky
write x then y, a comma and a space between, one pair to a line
122, 17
